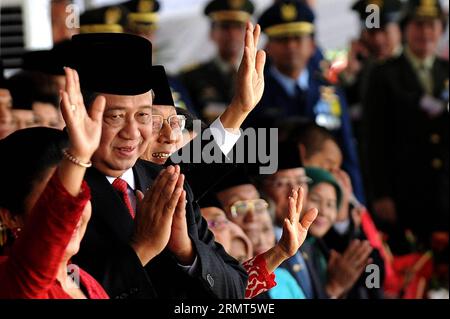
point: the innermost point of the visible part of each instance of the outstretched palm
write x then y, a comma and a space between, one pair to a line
250, 81
294, 229
84, 129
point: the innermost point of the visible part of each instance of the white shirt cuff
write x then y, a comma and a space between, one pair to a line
224, 139
190, 269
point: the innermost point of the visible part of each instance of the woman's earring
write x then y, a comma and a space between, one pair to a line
16, 232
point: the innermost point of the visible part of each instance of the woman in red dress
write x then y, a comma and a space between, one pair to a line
49, 203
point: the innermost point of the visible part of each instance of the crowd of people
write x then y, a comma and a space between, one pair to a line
95, 204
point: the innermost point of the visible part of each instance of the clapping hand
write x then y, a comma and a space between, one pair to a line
155, 214
345, 269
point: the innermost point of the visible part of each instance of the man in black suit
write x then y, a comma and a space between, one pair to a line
407, 136
192, 265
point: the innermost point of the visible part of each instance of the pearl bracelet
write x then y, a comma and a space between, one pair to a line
75, 160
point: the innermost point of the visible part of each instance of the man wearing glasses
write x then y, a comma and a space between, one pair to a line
242, 202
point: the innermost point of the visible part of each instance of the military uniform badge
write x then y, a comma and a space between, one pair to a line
328, 109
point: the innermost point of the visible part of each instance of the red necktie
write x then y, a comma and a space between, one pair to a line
122, 187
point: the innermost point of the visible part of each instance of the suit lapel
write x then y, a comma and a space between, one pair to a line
440, 76
145, 173
107, 207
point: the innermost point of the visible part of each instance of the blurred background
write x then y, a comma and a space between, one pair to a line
182, 34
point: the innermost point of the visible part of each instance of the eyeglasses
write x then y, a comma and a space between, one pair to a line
242, 207
290, 182
218, 224
176, 122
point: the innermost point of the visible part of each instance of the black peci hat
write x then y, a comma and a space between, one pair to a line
288, 155
113, 63
161, 87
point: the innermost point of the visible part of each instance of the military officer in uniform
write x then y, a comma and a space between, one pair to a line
211, 85
296, 88
143, 20
407, 136
377, 43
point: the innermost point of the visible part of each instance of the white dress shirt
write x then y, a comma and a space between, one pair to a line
224, 138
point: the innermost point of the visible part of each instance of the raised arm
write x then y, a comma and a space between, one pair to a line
250, 81
35, 259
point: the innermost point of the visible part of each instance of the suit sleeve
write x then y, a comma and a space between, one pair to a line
216, 275
218, 272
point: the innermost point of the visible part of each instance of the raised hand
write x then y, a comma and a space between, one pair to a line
294, 229
155, 213
84, 128
250, 81
294, 232
345, 269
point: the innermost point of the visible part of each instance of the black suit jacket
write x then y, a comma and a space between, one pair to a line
105, 252
408, 151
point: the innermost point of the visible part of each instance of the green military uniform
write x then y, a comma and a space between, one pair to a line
356, 86
211, 84
407, 134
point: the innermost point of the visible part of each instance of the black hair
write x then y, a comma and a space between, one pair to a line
88, 97
47, 98
26, 86
25, 156
313, 138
